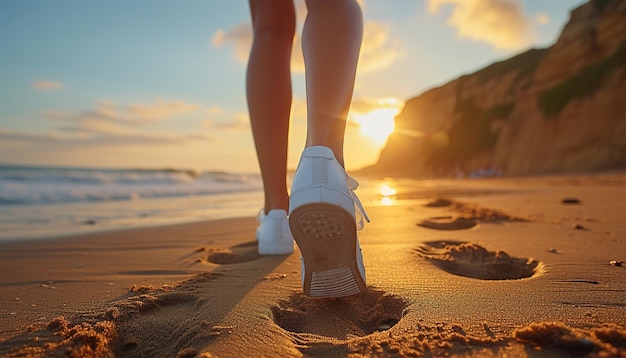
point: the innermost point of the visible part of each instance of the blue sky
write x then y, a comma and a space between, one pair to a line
154, 83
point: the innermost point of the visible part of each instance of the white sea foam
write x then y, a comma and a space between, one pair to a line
40, 185
42, 202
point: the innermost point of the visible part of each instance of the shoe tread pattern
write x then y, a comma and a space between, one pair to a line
326, 236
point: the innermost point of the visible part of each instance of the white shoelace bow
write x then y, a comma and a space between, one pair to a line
359, 211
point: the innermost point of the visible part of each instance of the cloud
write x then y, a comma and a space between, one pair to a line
54, 114
110, 118
214, 110
159, 110
240, 37
239, 121
378, 50
500, 23
65, 140
12, 136
95, 134
200, 137
46, 85
542, 19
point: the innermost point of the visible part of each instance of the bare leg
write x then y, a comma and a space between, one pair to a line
331, 42
268, 84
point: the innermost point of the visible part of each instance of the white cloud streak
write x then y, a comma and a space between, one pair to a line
47, 85
238, 122
110, 118
111, 124
71, 140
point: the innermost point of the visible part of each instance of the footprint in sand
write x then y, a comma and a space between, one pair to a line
245, 252
469, 216
448, 223
472, 260
342, 318
438, 203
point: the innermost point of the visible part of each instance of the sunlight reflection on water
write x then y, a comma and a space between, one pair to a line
388, 194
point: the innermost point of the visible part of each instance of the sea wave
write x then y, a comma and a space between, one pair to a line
24, 185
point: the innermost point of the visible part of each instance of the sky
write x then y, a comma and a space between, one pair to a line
161, 83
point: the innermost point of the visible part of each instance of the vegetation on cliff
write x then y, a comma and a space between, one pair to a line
582, 84
556, 109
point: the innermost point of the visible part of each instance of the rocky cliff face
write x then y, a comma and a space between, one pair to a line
560, 109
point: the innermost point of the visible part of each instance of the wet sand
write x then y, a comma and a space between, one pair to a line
489, 267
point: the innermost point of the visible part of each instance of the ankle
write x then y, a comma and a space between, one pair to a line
276, 206
338, 153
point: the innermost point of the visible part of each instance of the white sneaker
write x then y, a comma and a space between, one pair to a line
273, 233
323, 220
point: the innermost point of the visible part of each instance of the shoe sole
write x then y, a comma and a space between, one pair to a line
326, 236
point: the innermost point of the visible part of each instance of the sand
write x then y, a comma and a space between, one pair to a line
491, 267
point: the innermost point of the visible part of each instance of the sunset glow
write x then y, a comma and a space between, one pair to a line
175, 96
377, 124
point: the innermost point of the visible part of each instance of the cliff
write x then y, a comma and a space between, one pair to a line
559, 109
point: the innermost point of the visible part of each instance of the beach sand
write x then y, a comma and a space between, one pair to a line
492, 267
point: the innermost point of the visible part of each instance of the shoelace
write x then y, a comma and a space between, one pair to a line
260, 215
359, 211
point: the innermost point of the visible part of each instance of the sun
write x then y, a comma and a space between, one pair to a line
377, 124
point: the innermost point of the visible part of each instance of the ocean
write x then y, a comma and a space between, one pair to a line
43, 202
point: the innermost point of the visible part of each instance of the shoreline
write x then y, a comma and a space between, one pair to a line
206, 281
91, 217
229, 209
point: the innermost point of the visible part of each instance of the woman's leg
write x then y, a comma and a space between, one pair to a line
268, 89
322, 215
331, 42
